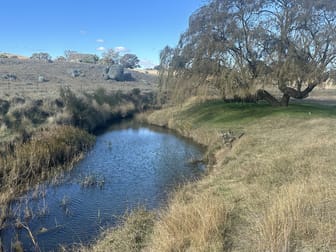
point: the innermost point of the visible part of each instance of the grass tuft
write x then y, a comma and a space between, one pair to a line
131, 236
195, 225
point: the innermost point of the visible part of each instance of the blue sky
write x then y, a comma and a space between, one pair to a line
142, 27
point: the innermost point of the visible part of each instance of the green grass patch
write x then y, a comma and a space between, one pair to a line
214, 113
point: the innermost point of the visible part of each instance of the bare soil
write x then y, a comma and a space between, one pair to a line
55, 75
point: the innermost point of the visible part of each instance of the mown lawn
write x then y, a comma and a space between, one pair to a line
218, 112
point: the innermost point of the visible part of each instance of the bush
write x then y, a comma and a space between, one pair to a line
9, 77
4, 106
41, 57
91, 59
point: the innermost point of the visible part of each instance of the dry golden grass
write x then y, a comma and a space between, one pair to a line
196, 224
300, 217
131, 236
278, 179
40, 158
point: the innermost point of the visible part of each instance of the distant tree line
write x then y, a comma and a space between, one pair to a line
110, 57
242, 48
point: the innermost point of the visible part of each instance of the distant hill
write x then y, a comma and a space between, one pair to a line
12, 56
29, 77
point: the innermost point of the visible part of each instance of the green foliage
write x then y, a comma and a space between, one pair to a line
91, 59
4, 106
42, 56
129, 61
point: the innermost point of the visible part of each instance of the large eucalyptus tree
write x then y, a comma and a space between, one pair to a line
244, 47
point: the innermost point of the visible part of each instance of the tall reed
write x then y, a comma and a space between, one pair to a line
39, 158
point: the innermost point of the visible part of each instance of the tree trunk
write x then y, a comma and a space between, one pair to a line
285, 100
288, 92
262, 94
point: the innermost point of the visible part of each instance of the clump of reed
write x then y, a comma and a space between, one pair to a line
95, 110
92, 180
132, 235
40, 157
88, 111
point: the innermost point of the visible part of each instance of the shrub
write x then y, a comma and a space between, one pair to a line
4, 106
41, 57
91, 59
9, 77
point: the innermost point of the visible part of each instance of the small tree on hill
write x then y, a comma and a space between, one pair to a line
68, 53
130, 61
42, 56
111, 57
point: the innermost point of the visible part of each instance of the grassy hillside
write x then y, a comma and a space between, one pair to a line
21, 78
272, 185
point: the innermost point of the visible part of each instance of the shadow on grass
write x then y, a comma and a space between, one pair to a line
218, 112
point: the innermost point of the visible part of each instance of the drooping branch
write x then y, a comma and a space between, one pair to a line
297, 93
294, 93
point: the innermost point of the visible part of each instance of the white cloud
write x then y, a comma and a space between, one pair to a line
101, 48
120, 49
100, 40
